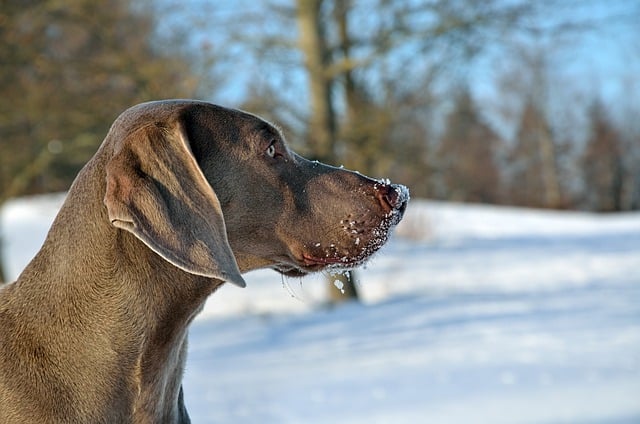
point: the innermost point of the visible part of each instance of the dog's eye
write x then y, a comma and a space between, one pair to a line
271, 150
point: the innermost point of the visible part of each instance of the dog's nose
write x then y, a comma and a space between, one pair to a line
392, 197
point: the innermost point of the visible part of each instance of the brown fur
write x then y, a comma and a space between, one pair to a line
181, 197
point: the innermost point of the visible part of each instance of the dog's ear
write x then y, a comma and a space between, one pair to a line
157, 191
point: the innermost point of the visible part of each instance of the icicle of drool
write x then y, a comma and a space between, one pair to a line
292, 293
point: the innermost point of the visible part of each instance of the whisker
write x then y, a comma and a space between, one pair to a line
289, 289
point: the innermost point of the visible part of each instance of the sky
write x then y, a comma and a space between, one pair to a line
604, 58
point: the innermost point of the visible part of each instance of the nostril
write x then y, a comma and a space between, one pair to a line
392, 197
383, 197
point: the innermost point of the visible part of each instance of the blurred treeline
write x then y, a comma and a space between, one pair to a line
459, 99
68, 68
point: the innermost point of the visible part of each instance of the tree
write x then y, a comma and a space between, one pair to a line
322, 128
68, 69
532, 170
467, 155
602, 164
533, 177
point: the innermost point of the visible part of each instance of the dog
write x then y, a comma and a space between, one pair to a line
181, 197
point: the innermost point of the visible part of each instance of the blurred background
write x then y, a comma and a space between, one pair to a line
505, 102
527, 104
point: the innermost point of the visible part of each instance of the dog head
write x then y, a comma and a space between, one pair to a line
217, 192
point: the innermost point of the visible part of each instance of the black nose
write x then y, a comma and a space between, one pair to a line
393, 197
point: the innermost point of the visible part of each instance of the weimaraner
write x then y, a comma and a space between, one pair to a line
181, 197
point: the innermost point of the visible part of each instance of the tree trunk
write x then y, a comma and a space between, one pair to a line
549, 165
342, 287
322, 122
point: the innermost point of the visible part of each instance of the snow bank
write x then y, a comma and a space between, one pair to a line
471, 314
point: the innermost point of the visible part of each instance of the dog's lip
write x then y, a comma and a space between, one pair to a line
290, 270
310, 260
304, 263
316, 263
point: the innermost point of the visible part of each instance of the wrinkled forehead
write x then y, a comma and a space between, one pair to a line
255, 134
260, 127
250, 127
215, 128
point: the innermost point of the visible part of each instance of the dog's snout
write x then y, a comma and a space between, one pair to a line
392, 197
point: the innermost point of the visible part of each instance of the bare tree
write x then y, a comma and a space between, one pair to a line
313, 45
322, 128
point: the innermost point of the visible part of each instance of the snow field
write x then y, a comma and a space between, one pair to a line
471, 314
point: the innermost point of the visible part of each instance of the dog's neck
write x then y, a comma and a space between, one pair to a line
125, 316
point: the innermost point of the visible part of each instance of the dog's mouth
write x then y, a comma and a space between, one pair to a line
355, 247
309, 264
317, 259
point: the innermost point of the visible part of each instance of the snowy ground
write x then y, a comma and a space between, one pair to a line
471, 314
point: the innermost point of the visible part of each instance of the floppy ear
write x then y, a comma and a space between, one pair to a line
157, 191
